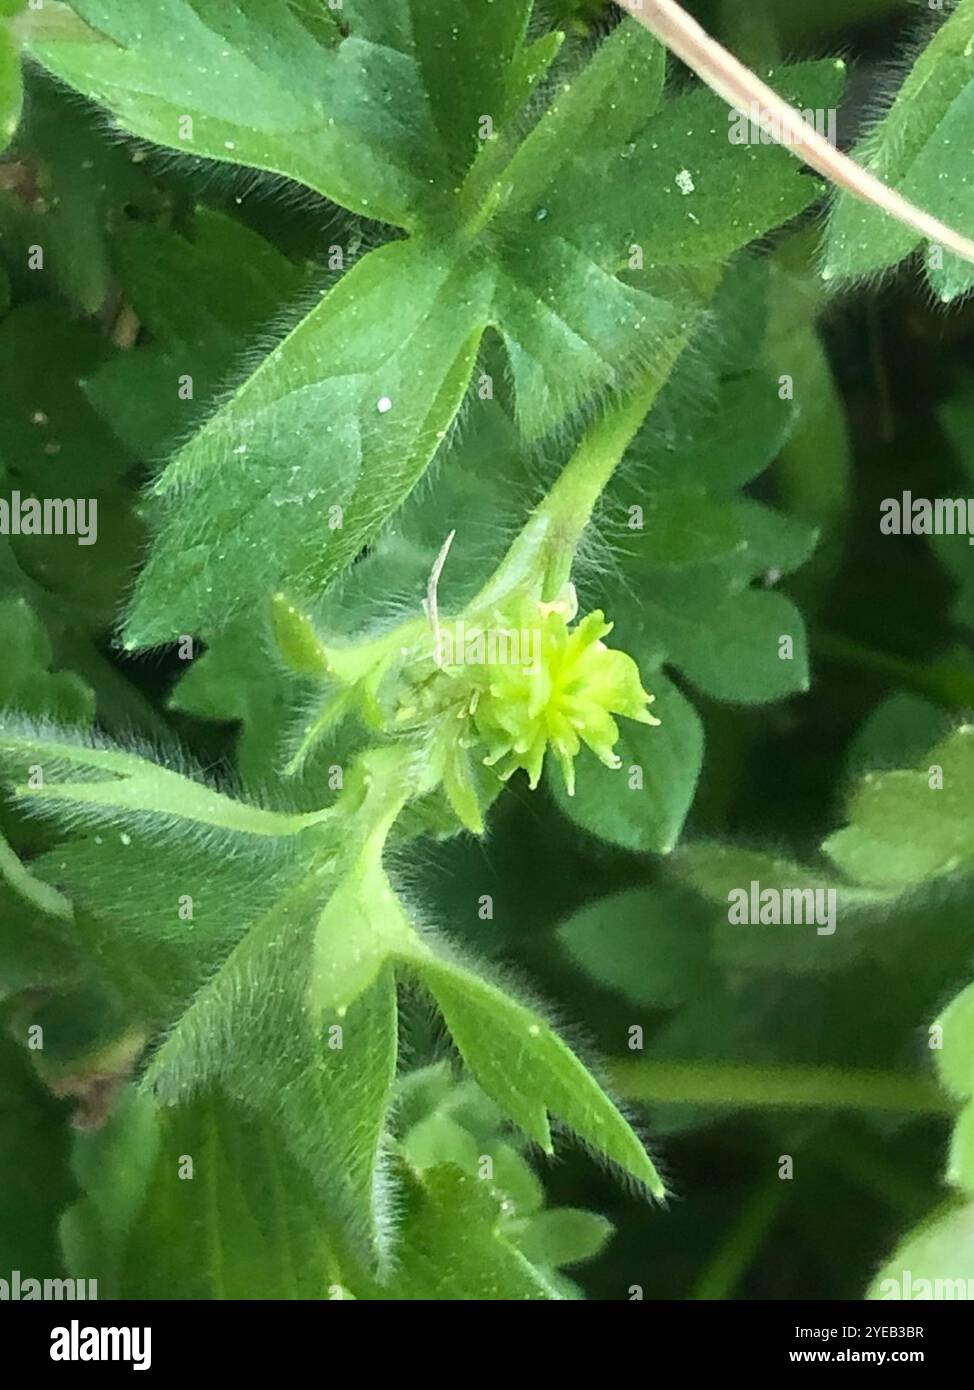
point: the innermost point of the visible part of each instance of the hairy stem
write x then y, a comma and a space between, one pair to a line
41, 895
733, 1086
945, 683
556, 526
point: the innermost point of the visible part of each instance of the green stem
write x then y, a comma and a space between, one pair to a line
732, 1086
41, 895
862, 1160
946, 683
550, 538
725, 1270
571, 502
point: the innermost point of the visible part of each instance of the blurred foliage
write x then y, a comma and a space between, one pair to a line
744, 511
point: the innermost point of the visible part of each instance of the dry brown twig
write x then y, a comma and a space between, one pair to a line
744, 90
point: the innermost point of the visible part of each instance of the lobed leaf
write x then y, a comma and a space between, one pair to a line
529, 1071
912, 149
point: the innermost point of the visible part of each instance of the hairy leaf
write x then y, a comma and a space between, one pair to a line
912, 149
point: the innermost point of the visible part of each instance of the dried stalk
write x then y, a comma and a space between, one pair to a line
745, 91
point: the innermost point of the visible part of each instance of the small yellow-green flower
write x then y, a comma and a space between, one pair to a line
517, 679
563, 698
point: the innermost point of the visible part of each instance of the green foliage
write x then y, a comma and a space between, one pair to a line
695, 571
912, 149
11, 86
938, 1252
638, 943
37, 1184
202, 301
933, 1262
489, 247
907, 827
309, 939
459, 424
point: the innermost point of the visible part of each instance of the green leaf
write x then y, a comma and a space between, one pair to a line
259, 925
487, 250
97, 782
642, 804
953, 1034
202, 299
255, 84
54, 446
390, 389
330, 1101
26, 680
689, 174
453, 1245
684, 526
441, 1139
904, 828
460, 1128
528, 1071
564, 1236
936, 1261
725, 443
38, 951
252, 1221
695, 609
35, 1181
955, 1060
643, 943
160, 915
764, 655
720, 872
631, 66
307, 93
900, 729
11, 87
913, 151
453, 41
292, 961
69, 187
